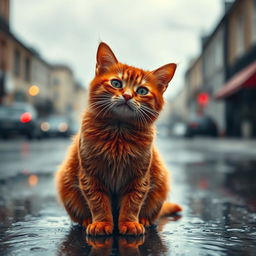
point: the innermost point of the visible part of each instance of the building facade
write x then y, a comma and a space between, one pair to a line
79, 102
193, 83
239, 91
228, 71
22, 68
4, 26
213, 73
68, 96
62, 89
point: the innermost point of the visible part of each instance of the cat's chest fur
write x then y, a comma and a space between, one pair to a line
116, 155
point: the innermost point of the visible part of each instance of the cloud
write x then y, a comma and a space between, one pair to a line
145, 33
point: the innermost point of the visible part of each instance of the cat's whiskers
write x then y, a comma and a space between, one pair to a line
97, 106
139, 119
142, 119
145, 117
106, 106
111, 106
137, 115
150, 114
145, 114
99, 102
100, 98
104, 96
150, 110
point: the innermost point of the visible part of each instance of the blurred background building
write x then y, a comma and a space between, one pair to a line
25, 76
224, 74
219, 89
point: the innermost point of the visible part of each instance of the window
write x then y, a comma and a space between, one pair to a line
3, 56
56, 81
1, 8
16, 62
254, 22
240, 47
27, 69
219, 50
4, 10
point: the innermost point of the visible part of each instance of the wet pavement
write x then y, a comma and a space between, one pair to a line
215, 182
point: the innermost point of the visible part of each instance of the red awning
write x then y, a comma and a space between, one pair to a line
246, 78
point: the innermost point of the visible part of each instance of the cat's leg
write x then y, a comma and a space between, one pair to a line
100, 205
149, 215
155, 204
130, 205
71, 197
68, 188
159, 187
151, 207
78, 209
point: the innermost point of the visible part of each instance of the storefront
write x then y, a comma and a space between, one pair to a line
239, 94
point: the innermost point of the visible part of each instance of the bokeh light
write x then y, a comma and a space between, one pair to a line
26, 117
63, 127
34, 90
45, 126
33, 180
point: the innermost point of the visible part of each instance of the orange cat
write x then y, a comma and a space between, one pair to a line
113, 173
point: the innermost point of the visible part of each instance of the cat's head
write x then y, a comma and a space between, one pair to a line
125, 93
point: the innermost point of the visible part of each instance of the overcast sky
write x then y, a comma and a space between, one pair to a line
143, 33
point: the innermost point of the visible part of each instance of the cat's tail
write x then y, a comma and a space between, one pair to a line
169, 208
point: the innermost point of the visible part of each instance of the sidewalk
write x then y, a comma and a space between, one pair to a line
219, 146
242, 146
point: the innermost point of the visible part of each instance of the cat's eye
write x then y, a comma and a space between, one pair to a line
116, 83
142, 90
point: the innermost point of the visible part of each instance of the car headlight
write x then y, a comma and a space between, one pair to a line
45, 126
63, 127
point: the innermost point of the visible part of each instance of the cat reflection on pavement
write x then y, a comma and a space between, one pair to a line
78, 243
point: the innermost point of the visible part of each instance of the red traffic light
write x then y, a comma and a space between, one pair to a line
203, 99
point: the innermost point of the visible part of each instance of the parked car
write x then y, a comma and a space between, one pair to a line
19, 118
202, 125
55, 125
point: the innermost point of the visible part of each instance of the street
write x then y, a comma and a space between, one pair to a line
214, 181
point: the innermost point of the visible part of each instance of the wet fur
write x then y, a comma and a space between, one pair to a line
113, 173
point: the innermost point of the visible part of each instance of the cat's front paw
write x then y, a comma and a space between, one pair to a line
99, 228
131, 228
145, 222
86, 222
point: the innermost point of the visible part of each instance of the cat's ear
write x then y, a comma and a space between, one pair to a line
105, 58
164, 75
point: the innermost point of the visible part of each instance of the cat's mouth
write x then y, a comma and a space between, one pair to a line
125, 105
124, 110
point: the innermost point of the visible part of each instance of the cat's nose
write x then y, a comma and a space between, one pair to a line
127, 95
